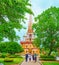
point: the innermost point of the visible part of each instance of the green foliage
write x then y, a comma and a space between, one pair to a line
43, 56
47, 29
48, 58
15, 61
14, 56
3, 56
10, 47
8, 60
12, 13
50, 63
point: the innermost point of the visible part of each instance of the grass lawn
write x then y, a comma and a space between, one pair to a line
15, 61
50, 63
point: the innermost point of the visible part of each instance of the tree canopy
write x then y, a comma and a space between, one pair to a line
12, 13
47, 29
10, 47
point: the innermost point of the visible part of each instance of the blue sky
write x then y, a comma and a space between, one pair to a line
38, 6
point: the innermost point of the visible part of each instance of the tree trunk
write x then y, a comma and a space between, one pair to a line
51, 46
50, 52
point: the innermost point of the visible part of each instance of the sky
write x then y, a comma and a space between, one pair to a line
38, 6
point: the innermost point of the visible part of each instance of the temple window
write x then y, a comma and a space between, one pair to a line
26, 51
26, 46
30, 45
33, 51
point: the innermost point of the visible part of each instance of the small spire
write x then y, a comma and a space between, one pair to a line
30, 25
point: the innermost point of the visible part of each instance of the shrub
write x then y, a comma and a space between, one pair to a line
3, 55
14, 56
8, 60
49, 58
43, 56
11, 56
10, 47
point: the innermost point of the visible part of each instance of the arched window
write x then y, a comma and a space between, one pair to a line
26, 51
33, 51
30, 45
26, 46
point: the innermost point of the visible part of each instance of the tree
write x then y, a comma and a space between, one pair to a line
10, 47
12, 13
47, 29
